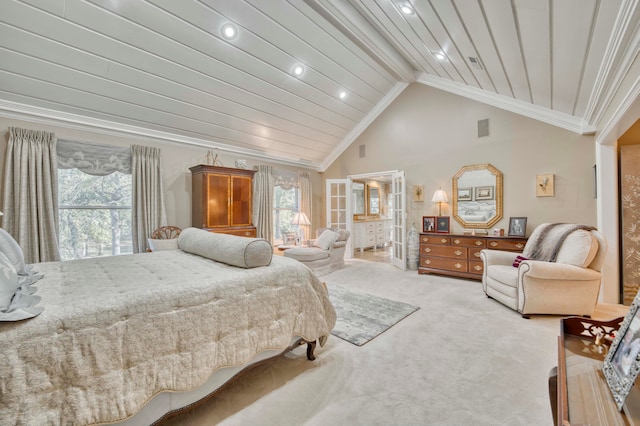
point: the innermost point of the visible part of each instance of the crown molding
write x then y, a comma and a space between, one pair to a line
18, 111
623, 117
610, 76
363, 124
546, 115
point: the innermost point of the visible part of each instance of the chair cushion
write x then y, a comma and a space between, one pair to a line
506, 274
579, 249
325, 239
306, 254
158, 244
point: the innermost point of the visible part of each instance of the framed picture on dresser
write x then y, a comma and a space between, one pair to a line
442, 224
428, 224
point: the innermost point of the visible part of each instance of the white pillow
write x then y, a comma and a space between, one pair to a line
12, 250
325, 239
8, 282
157, 245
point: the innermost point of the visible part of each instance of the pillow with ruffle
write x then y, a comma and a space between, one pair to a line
12, 250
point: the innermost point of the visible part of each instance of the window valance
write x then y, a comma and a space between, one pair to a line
93, 159
285, 179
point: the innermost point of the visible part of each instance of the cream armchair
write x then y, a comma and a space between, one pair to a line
566, 284
327, 253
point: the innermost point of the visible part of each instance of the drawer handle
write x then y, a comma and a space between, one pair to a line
477, 254
458, 252
478, 268
428, 262
478, 243
493, 244
456, 241
427, 250
519, 245
247, 233
425, 239
458, 265
444, 240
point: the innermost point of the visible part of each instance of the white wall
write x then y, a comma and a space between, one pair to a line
431, 134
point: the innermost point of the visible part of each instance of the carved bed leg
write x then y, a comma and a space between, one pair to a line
311, 346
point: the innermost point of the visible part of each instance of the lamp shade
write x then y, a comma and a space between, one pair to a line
300, 219
440, 196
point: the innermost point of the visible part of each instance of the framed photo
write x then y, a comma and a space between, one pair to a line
428, 224
621, 365
517, 226
484, 193
465, 194
442, 224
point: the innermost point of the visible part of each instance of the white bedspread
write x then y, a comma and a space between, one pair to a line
117, 330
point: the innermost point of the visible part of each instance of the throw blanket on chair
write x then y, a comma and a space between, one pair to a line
545, 245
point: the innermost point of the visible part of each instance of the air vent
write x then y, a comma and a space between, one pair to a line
475, 62
483, 128
361, 151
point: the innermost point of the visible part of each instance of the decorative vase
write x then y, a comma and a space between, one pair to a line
413, 248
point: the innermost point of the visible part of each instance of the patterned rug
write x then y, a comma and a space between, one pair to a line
361, 316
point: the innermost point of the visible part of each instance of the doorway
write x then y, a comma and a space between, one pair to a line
372, 207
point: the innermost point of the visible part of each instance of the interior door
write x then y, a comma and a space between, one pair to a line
399, 244
339, 209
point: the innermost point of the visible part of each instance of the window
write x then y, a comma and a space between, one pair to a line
285, 206
95, 214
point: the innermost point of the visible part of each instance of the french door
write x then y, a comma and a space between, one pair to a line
339, 209
399, 216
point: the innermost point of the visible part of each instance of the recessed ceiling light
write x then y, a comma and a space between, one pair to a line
229, 31
440, 56
342, 95
406, 8
298, 70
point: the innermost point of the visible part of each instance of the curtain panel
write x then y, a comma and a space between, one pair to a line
148, 209
263, 202
31, 193
306, 201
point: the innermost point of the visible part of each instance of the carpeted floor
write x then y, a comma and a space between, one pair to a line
461, 359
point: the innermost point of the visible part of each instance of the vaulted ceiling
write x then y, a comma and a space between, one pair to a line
164, 69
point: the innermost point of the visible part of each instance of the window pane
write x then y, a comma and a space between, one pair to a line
95, 214
285, 206
94, 232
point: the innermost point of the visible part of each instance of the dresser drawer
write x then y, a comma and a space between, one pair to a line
468, 242
510, 245
458, 265
476, 267
434, 239
444, 251
474, 254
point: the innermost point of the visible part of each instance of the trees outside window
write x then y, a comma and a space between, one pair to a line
94, 214
285, 206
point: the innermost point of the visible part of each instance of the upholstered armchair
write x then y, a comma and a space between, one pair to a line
327, 252
564, 280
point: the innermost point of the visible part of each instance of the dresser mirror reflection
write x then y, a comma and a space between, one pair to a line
477, 196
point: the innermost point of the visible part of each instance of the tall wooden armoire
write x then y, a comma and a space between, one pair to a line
221, 200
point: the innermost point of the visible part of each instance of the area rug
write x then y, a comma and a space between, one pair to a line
361, 316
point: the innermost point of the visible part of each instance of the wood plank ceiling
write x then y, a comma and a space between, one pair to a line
162, 69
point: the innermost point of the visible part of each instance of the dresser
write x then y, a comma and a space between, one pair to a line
371, 233
221, 200
459, 255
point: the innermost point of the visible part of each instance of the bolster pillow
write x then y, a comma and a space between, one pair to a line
230, 249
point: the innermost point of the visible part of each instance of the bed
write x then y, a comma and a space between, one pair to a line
117, 331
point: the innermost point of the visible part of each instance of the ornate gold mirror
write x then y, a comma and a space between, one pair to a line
477, 196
